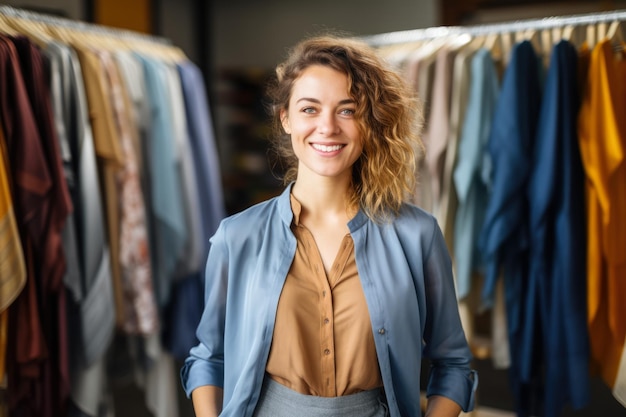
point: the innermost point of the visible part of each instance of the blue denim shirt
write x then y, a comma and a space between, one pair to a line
406, 274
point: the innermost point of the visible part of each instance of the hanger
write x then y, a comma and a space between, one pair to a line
493, 43
6, 27
534, 37
456, 42
557, 34
615, 31
506, 42
36, 31
591, 35
548, 40
601, 28
573, 34
615, 34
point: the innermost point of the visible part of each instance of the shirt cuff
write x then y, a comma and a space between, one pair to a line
458, 385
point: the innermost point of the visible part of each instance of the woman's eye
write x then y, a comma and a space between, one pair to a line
347, 112
308, 110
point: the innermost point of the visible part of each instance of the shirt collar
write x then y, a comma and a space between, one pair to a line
289, 213
296, 208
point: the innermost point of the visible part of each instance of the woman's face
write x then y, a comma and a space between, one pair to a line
320, 119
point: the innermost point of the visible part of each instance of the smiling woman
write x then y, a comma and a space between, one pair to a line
324, 134
340, 260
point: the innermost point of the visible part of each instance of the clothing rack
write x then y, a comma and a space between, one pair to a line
415, 35
14, 12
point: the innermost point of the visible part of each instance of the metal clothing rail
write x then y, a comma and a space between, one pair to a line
414, 35
10, 11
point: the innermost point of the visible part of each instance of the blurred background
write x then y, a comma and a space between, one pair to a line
236, 44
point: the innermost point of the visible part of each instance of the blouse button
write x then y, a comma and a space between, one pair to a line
326, 321
326, 352
381, 330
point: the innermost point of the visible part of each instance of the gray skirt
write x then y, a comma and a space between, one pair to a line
276, 400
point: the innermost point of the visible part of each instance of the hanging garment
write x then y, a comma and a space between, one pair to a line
91, 306
186, 308
52, 263
70, 108
448, 201
36, 365
205, 153
419, 71
459, 96
110, 159
436, 135
504, 237
139, 311
472, 196
162, 161
469, 180
556, 340
131, 71
193, 261
12, 266
603, 148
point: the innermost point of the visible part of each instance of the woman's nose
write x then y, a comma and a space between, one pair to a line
328, 125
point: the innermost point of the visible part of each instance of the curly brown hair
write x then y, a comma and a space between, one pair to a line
388, 115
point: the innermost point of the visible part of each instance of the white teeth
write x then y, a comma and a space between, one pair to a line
325, 148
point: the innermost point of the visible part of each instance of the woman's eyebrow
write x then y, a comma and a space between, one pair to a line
314, 100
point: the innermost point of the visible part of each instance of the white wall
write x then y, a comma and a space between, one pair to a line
253, 33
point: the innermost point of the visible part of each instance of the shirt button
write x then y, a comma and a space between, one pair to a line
326, 321
381, 330
323, 293
326, 352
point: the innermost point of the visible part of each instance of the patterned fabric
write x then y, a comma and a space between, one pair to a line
140, 312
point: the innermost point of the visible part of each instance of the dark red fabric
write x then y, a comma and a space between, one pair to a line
37, 366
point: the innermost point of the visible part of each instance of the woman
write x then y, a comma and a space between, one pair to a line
323, 301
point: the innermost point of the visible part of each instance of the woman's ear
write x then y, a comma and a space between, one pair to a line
284, 120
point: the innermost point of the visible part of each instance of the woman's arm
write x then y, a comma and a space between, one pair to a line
445, 345
439, 406
207, 400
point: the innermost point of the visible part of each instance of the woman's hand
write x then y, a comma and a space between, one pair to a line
207, 401
439, 406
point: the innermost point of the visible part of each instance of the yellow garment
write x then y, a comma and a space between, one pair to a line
12, 266
602, 136
110, 159
4, 324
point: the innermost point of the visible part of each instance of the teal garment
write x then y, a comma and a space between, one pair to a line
406, 275
471, 188
169, 232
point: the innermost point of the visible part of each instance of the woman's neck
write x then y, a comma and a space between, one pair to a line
321, 199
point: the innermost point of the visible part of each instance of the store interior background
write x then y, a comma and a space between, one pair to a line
237, 43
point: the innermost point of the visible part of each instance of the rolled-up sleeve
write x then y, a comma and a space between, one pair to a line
445, 344
205, 363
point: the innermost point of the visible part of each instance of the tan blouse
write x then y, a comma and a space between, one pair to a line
323, 343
